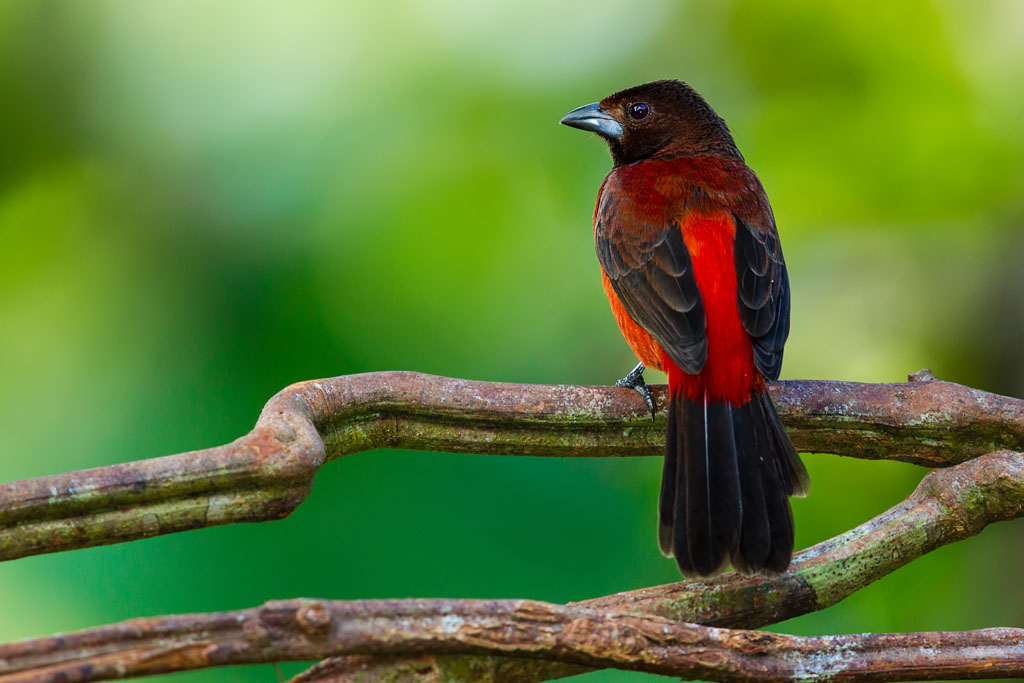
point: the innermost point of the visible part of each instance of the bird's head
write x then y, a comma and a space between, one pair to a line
660, 118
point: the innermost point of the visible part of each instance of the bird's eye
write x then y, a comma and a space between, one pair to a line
638, 110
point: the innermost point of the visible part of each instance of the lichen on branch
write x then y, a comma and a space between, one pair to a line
644, 630
266, 474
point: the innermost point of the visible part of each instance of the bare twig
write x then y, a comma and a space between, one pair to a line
268, 473
608, 632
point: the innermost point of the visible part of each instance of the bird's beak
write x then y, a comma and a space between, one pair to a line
591, 117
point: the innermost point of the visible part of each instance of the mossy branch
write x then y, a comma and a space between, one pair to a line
692, 652
307, 629
641, 630
948, 506
269, 472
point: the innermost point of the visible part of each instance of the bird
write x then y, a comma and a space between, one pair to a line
693, 268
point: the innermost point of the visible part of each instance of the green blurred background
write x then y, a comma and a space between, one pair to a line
202, 202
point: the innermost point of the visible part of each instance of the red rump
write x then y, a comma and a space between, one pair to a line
729, 373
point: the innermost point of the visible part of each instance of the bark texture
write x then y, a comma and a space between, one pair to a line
266, 474
310, 629
645, 630
269, 472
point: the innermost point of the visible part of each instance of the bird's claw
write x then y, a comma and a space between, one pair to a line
635, 380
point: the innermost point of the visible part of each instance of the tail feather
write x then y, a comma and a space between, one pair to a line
755, 536
712, 486
781, 522
729, 471
667, 499
672, 505
791, 468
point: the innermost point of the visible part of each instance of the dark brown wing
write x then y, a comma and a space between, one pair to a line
650, 270
762, 287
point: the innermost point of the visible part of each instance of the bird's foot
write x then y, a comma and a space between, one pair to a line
635, 380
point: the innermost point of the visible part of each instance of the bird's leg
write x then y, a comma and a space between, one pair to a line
635, 380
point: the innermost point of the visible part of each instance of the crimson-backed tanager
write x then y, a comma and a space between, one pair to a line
693, 268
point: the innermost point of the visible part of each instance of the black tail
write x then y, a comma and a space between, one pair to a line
729, 472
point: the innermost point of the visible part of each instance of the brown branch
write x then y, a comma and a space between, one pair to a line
745, 656
635, 630
436, 669
269, 472
419, 668
307, 629
948, 506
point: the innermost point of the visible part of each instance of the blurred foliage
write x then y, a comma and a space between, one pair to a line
203, 202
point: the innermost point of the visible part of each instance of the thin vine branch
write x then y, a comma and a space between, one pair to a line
269, 472
636, 630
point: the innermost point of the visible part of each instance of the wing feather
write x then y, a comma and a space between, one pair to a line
762, 289
649, 268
